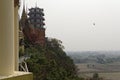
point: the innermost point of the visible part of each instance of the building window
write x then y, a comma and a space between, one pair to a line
32, 15
34, 25
37, 10
38, 20
38, 25
37, 15
32, 20
32, 10
21, 42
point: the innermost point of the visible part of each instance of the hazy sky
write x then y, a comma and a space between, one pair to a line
72, 22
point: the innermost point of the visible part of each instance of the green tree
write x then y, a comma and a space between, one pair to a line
50, 62
96, 77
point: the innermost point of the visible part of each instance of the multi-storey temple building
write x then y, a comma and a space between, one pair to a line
33, 25
36, 17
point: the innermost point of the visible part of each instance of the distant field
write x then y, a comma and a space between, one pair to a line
106, 76
95, 67
106, 71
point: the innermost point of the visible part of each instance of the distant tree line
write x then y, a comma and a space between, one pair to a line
102, 59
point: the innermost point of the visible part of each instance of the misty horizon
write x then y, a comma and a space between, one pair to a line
72, 22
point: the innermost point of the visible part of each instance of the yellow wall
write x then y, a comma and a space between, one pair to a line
22, 77
16, 37
9, 43
6, 37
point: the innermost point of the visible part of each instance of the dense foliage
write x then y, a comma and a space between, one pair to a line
50, 62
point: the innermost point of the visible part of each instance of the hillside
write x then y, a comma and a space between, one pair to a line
50, 62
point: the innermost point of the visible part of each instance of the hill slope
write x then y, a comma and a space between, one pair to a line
50, 62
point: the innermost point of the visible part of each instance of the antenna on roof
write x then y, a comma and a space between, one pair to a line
36, 4
23, 4
26, 8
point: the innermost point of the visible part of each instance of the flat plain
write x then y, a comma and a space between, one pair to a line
106, 71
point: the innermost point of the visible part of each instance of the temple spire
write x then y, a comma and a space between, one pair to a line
36, 4
24, 15
26, 9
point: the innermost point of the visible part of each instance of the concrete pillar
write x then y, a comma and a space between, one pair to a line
16, 38
6, 37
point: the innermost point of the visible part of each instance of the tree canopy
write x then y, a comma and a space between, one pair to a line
50, 62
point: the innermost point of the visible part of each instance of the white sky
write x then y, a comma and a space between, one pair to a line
72, 22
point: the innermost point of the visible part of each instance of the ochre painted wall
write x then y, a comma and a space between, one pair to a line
6, 37
22, 77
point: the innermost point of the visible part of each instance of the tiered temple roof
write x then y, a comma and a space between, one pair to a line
36, 17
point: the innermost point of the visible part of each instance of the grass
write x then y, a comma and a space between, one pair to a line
106, 71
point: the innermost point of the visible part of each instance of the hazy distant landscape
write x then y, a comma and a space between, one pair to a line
105, 63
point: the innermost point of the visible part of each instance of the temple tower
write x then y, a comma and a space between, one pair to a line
36, 17
36, 21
